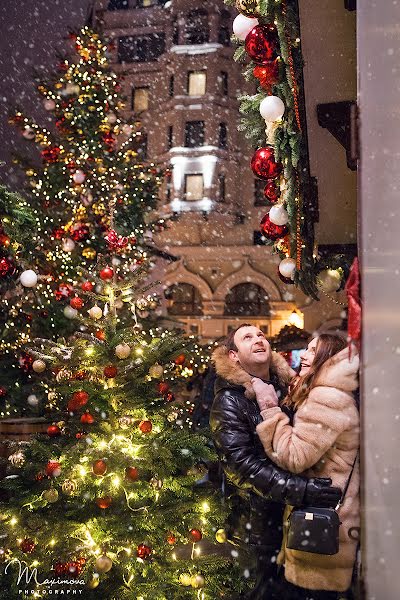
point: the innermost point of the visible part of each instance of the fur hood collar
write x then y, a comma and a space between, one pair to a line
340, 371
234, 374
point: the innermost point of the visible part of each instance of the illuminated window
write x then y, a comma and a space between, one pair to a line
194, 134
140, 99
184, 299
247, 299
194, 187
196, 83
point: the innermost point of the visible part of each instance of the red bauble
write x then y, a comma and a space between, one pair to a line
58, 233
267, 74
53, 468
195, 535
25, 361
53, 431
3, 392
65, 290
87, 286
162, 387
100, 335
263, 164
79, 232
169, 397
80, 375
180, 359
271, 192
27, 545
77, 400
106, 273
272, 231
145, 426
6, 266
104, 502
171, 539
110, 371
143, 551
4, 240
50, 154
132, 473
99, 467
262, 44
87, 418
76, 302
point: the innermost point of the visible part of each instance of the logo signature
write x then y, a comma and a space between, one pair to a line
27, 576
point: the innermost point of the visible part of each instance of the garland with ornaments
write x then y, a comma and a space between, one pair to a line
267, 33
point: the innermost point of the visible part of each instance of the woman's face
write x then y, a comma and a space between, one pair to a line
307, 357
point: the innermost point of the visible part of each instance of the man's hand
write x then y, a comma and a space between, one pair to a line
265, 394
320, 493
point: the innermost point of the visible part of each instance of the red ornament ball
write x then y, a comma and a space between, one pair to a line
87, 286
4, 240
195, 535
143, 551
263, 164
3, 392
65, 290
53, 431
87, 418
171, 539
271, 192
99, 467
80, 375
162, 387
104, 502
169, 397
6, 266
106, 273
267, 74
76, 303
77, 400
132, 473
100, 335
262, 44
272, 231
180, 359
110, 371
145, 426
27, 545
53, 468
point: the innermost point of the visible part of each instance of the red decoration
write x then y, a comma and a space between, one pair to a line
106, 273
53, 468
72, 568
27, 545
87, 418
132, 473
65, 290
145, 426
195, 535
50, 154
143, 551
263, 164
180, 359
25, 361
169, 397
171, 539
352, 288
162, 387
4, 240
100, 335
80, 375
77, 400
271, 192
110, 371
58, 233
79, 232
6, 267
3, 391
76, 303
104, 502
267, 74
262, 44
272, 231
115, 241
87, 286
53, 431
99, 467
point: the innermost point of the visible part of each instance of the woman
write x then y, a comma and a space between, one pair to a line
322, 442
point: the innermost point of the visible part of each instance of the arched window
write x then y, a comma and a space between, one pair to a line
184, 299
197, 30
247, 299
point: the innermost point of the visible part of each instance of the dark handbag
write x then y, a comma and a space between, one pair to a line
314, 529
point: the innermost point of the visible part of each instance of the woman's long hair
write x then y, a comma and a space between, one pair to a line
327, 346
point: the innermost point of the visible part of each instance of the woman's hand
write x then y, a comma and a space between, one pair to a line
265, 394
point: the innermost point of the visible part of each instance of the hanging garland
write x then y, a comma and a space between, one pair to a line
267, 32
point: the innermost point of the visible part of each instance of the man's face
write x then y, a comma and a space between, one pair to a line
252, 348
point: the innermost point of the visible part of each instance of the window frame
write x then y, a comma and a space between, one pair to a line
190, 125
134, 91
191, 73
187, 176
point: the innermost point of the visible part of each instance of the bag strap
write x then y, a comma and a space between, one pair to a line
347, 484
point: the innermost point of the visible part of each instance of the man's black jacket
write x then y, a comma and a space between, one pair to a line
262, 488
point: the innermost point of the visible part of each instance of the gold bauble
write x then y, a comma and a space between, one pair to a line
50, 495
220, 536
122, 351
69, 487
103, 564
91, 108
197, 581
156, 371
249, 8
185, 579
39, 366
101, 170
93, 583
89, 253
17, 459
30, 172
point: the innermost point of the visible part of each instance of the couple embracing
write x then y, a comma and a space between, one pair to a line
287, 441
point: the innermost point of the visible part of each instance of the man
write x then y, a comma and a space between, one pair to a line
261, 488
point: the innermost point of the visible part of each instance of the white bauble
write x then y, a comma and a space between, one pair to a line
28, 133
329, 280
272, 108
95, 312
39, 366
111, 117
68, 245
103, 564
79, 176
127, 129
72, 88
197, 581
32, 400
243, 25
28, 278
278, 215
49, 104
122, 351
287, 267
70, 313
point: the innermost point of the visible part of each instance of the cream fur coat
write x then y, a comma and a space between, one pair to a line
323, 442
